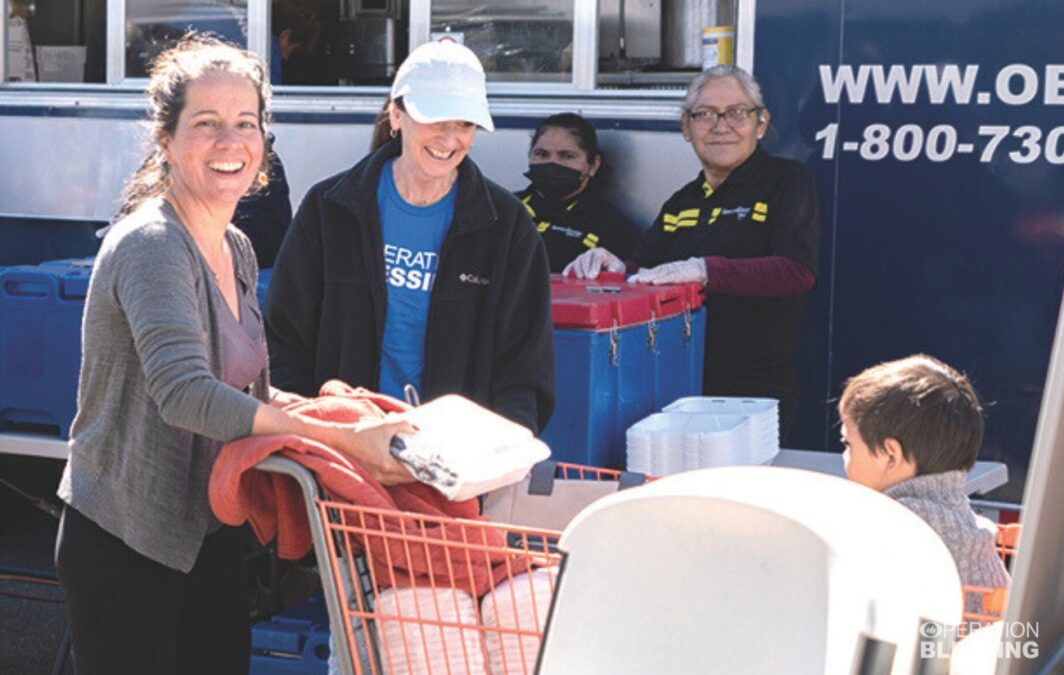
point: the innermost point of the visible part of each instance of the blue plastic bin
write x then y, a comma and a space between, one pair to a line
40, 344
293, 642
637, 354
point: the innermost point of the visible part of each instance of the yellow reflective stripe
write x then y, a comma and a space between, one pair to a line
591, 241
528, 206
713, 215
761, 207
685, 218
707, 188
759, 217
542, 226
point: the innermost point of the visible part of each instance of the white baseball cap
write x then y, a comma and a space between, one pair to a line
442, 81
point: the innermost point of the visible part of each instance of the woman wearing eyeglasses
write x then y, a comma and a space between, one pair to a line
748, 227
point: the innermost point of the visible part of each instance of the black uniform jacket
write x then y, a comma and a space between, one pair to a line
489, 331
767, 206
571, 228
265, 215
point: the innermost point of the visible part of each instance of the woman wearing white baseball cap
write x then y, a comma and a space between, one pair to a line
413, 268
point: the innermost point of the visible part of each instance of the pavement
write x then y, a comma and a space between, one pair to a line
32, 615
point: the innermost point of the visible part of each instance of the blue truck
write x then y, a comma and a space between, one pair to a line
934, 131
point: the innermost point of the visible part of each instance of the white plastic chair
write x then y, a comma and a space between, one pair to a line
749, 570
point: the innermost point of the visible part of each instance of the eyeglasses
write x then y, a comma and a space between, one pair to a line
735, 117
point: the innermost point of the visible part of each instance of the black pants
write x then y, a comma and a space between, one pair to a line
130, 614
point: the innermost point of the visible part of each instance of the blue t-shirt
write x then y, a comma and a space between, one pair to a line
412, 238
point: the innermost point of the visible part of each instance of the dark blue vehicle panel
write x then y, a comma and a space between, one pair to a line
943, 201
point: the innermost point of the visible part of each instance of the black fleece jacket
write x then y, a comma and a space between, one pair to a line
489, 333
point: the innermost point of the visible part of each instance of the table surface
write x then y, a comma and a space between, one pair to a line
984, 476
33, 445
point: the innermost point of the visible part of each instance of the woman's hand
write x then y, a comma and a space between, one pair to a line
692, 270
368, 443
587, 265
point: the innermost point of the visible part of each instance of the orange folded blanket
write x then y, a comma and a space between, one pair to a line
275, 506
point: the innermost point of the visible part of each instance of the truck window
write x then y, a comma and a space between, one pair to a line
154, 25
654, 44
55, 42
516, 42
523, 44
328, 43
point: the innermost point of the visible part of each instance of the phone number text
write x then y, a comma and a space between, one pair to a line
1023, 145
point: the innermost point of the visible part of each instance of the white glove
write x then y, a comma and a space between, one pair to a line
588, 264
692, 270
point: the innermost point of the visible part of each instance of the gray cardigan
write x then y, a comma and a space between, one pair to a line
152, 411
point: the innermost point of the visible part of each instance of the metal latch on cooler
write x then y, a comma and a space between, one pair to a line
614, 341
411, 395
686, 324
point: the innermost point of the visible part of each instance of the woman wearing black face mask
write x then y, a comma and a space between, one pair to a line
565, 200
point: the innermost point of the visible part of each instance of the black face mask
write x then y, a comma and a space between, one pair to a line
554, 181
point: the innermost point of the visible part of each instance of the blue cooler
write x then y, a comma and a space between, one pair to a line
680, 354
293, 642
40, 344
621, 352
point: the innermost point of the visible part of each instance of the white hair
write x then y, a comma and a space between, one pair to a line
745, 80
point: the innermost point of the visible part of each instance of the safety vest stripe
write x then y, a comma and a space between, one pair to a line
528, 206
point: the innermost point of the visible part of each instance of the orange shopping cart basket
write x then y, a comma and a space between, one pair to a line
410, 593
992, 600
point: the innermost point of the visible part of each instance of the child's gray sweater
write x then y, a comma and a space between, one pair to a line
939, 499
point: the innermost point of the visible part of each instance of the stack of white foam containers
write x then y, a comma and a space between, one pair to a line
698, 432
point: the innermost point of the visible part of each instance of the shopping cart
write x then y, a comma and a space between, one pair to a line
414, 593
994, 599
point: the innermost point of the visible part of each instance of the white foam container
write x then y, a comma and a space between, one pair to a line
655, 445
670, 442
763, 412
